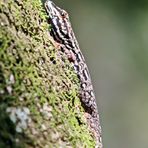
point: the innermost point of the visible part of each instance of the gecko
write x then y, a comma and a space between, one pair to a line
62, 33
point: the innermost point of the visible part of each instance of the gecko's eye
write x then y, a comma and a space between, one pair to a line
63, 14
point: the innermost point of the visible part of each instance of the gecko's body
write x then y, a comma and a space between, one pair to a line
63, 34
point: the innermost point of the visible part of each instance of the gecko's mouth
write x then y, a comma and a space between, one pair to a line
48, 6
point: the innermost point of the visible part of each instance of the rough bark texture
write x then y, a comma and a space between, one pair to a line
39, 104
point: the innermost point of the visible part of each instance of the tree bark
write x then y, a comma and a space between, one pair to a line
39, 103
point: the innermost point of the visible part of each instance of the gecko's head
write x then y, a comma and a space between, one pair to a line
59, 20
61, 28
56, 13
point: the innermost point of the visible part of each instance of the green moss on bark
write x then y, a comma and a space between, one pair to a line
39, 101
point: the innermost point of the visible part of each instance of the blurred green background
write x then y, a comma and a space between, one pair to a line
113, 35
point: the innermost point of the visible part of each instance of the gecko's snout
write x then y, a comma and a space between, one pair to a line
50, 8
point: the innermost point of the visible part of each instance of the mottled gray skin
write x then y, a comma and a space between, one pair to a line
63, 34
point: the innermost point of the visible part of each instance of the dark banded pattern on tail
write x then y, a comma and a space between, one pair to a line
63, 34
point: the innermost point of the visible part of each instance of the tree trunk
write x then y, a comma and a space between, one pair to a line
39, 103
